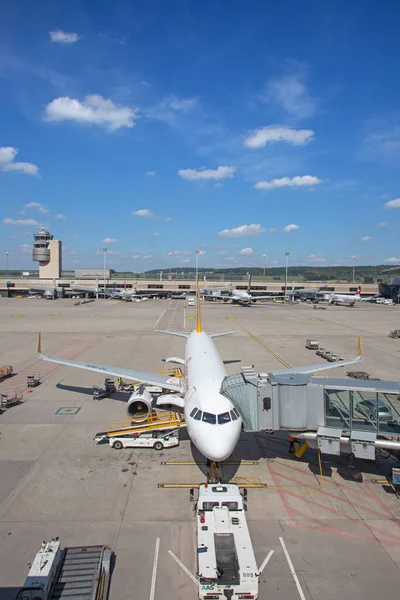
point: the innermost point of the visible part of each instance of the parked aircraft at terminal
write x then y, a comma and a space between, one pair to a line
244, 297
213, 423
346, 299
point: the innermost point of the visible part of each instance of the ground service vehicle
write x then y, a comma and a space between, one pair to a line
6, 371
226, 563
312, 344
148, 439
368, 409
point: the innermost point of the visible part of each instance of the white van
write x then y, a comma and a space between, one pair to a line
191, 300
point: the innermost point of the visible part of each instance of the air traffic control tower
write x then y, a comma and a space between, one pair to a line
48, 253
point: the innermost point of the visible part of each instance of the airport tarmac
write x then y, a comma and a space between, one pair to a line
343, 537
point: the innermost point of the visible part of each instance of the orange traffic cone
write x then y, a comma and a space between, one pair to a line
29, 390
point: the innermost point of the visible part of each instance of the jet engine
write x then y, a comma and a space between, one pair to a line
139, 405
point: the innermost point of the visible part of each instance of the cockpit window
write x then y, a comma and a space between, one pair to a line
209, 418
234, 414
198, 415
194, 411
223, 418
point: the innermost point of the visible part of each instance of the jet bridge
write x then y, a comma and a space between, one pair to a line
340, 414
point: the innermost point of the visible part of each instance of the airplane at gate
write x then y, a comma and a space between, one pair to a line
348, 299
213, 423
243, 297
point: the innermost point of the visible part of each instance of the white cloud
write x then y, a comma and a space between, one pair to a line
246, 251
218, 173
186, 261
21, 222
63, 37
291, 227
223, 253
34, 206
94, 110
147, 257
7, 155
145, 213
151, 173
202, 253
290, 92
272, 230
156, 234
382, 224
60, 216
109, 241
168, 219
135, 256
316, 258
393, 260
366, 238
242, 231
271, 134
298, 181
393, 203
173, 110
26, 248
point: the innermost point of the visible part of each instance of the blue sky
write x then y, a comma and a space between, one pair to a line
238, 128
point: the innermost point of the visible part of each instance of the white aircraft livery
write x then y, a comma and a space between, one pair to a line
213, 423
348, 299
244, 297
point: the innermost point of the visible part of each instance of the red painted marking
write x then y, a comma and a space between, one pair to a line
9, 386
375, 495
332, 510
344, 533
282, 496
336, 497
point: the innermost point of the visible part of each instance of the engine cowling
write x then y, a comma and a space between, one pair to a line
140, 405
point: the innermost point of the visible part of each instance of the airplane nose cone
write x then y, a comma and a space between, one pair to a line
219, 448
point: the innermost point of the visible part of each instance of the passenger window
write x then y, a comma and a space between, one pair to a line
197, 416
209, 418
194, 411
223, 418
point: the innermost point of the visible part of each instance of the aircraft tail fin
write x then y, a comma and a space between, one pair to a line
249, 283
198, 311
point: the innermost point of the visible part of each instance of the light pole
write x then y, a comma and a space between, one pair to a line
287, 252
354, 267
197, 269
104, 269
7, 253
170, 265
265, 262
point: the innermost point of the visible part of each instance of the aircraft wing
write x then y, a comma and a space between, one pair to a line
168, 383
316, 368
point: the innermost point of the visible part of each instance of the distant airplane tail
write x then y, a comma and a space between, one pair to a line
249, 283
358, 290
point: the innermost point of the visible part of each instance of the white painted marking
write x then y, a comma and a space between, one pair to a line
292, 570
154, 574
162, 314
182, 566
266, 561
